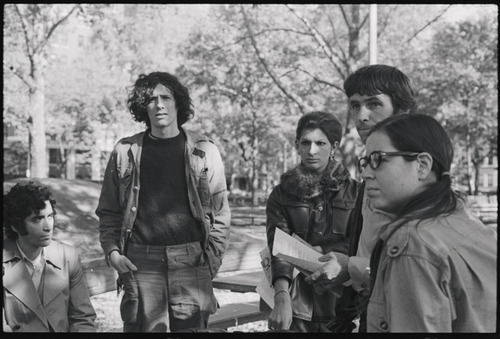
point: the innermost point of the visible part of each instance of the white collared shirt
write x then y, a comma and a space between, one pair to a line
35, 267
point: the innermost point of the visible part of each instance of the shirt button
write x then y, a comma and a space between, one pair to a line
394, 250
320, 233
133, 209
136, 188
384, 325
320, 208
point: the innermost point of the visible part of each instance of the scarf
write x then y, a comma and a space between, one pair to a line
305, 185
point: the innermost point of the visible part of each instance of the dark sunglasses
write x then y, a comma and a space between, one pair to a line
375, 158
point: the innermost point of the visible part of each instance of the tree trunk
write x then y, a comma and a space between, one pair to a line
39, 163
476, 172
255, 172
95, 160
255, 188
71, 164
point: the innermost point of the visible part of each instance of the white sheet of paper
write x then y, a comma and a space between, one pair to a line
266, 291
264, 287
295, 252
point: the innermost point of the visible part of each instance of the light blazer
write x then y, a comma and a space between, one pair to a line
66, 302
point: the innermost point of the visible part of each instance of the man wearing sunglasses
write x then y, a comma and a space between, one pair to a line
374, 93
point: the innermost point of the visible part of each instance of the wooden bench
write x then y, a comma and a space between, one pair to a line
101, 279
99, 276
243, 283
240, 283
235, 314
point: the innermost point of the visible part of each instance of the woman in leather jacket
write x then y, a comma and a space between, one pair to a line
312, 201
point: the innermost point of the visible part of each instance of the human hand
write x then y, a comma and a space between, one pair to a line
335, 268
281, 315
121, 263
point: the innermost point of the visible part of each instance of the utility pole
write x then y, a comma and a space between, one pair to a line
373, 34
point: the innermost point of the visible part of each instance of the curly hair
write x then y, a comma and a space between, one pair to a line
143, 89
383, 79
22, 200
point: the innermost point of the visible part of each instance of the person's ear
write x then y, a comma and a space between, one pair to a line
335, 146
425, 162
14, 228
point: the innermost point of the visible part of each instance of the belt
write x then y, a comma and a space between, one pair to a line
152, 251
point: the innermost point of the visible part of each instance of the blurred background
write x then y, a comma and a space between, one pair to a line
252, 71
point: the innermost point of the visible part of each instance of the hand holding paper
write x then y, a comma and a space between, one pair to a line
296, 252
333, 271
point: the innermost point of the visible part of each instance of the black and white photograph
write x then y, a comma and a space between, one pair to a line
217, 168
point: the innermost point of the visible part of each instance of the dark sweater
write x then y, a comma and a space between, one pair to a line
164, 216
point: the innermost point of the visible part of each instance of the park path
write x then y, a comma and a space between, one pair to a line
247, 239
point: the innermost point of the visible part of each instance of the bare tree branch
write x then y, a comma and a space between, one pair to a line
428, 24
264, 63
54, 26
342, 59
385, 21
26, 40
353, 27
319, 39
19, 75
321, 81
349, 24
236, 42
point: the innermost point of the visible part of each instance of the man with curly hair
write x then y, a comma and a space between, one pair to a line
163, 213
43, 284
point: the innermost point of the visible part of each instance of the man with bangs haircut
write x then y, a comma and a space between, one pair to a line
374, 93
163, 212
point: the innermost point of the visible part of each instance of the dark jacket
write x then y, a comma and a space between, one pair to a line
207, 193
317, 211
355, 222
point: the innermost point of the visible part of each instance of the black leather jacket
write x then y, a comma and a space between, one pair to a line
321, 220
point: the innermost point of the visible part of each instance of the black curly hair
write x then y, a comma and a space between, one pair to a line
22, 200
143, 89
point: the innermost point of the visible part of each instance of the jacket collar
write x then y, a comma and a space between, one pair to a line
17, 280
137, 140
303, 184
10, 250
